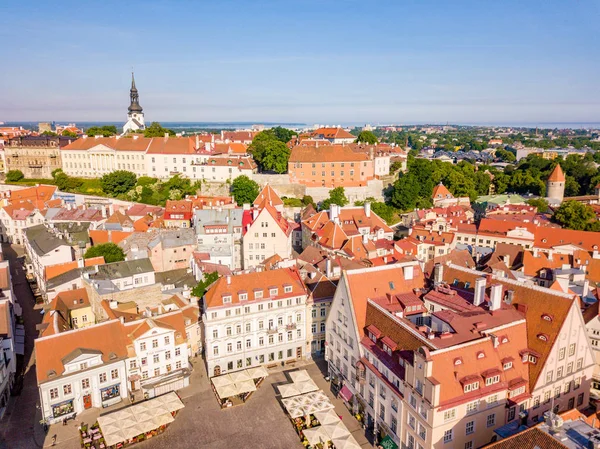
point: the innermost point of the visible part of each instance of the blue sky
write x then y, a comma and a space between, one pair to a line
314, 61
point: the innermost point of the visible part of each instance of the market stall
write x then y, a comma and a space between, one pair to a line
235, 388
140, 421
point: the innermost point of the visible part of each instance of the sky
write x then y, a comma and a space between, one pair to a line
309, 61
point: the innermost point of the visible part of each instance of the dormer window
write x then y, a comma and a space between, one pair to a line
507, 365
273, 291
481, 355
542, 337
471, 387
373, 337
532, 359
227, 299
492, 380
243, 296
457, 361
258, 294
547, 317
504, 340
287, 289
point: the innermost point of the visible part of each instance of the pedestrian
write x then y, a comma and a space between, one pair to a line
53, 440
64, 421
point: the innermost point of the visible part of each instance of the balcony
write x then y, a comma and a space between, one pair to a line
290, 327
272, 330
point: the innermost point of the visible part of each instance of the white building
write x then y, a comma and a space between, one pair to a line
219, 235
267, 233
81, 369
43, 248
255, 319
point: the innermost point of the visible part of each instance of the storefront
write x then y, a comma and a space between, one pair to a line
62, 409
110, 395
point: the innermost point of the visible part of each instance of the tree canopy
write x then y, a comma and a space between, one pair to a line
105, 131
540, 203
156, 130
269, 152
367, 137
67, 133
14, 176
576, 215
336, 196
64, 182
117, 182
110, 251
282, 134
244, 190
203, 285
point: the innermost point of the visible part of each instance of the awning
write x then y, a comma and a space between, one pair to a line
346, 394
388, 443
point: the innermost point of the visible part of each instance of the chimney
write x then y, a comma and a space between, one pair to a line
328, 271
113, 304
166, 136
254, 214
495, 340
510, 295
228, 277
506, 260
586, 288
334, 213
365, 238
368, 209
595, 254
111, 208
479, 291
550, 254
80, 262
103, 211
495, 297
438, 274
408, 272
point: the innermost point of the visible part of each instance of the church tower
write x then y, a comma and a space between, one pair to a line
555, 186
135, 113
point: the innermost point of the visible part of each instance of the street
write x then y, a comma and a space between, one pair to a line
20, 427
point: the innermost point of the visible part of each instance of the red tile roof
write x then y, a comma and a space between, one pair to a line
134, 143
557, 175
267, 195
327, 153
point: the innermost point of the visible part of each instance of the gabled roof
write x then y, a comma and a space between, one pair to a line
440, 191
533, 438
108, 338
376, 282
537, 302
119, 270
332, 236
51, 271
332, 133
552, 237
267, 195
134, 143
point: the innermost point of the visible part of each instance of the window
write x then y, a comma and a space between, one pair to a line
511, 413
239, 345
215, 350
579, 364
470, 428
53, 393
547, 397
102, 377
449, 415
571, 349
167, 340
410, 442
229, 347
155, 343
422, 432
67, 389
549, 376
448, 436
569, 367
177, 352
492, 380
561, 354
178, 364
156, 358
114, 374
507, 366
413, 402
559, 372
472, 406
579, 399
412, 421
167, 355
394, 425
491, 420
157, 371
536, 402
143, 346
469, 445
471, 387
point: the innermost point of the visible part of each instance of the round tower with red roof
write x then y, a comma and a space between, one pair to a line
555, 186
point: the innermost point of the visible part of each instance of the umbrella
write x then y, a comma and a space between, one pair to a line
257, 372
306, 386
299, 376
337, 430
245, 386
288, 390
221, 381
239, 376
227, 391
315, 435
346, 442
327, 417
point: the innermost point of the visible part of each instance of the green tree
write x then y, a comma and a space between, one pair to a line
200, 289
117, 182
244, 190
104, 131
575, 215
66, 183
67, 133
270, 153
14, 176
110, 251
336, 196
49, 133
307, 199
367, 137
540, 203
505, 155
282, 134
156, 130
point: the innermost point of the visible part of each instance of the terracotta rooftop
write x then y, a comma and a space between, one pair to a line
557, 175
326, 153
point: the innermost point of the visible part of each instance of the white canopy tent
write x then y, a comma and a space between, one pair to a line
288, 390
306, 386
299, 376
307, 404
257, 372
316, 435
130, 422
327, 417
245, 386
346, 442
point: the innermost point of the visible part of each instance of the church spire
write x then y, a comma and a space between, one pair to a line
134, 97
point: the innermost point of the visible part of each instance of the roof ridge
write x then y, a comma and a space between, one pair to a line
77, 330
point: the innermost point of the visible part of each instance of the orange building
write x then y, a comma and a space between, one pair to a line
329, 166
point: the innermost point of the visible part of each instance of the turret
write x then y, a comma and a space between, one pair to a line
555, 186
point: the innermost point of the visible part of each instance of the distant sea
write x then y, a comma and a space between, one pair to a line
197, 126
175, 126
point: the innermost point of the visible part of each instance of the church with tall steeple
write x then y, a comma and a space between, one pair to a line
135, 113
